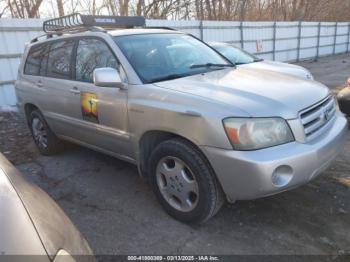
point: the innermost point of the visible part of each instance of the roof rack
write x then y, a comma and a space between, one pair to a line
78, 22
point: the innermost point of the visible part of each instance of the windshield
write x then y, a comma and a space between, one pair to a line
236, 55
157, 57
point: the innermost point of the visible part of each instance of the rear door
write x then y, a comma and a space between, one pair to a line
103, 109
62, 98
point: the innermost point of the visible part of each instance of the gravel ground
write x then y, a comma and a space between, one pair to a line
331, 71
15, 140
118, 214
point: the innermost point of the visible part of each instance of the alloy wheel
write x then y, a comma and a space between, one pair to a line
177, 184
39, 132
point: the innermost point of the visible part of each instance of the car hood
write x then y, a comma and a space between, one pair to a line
18, 234
42, 219
285, 68
260, 93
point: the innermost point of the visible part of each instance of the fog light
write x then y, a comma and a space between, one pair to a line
282, 176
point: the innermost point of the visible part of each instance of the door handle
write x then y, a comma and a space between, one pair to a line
75, 90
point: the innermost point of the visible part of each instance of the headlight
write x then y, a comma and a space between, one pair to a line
257, 133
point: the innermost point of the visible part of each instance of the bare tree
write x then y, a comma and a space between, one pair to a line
123, 7
24, 8
253, 10
60, 7
3, 7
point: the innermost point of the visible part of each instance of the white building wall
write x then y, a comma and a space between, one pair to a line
14, 33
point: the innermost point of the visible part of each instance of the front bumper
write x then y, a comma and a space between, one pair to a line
254, 174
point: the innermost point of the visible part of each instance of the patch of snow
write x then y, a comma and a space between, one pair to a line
8, 109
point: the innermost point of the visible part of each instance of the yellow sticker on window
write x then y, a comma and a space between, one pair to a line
88, 103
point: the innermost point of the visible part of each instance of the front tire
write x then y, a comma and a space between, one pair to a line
184, 182
46, 141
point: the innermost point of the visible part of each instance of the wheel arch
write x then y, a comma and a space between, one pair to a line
28, 109
148, 142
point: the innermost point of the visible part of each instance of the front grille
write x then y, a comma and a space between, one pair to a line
316, 117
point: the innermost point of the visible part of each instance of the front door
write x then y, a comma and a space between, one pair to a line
103, 109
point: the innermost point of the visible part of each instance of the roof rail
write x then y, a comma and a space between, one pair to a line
78, 22
59, 33
48, 35
161, 27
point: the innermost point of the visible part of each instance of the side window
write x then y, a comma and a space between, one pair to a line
37, 60
43, 63
59, 60
92, 54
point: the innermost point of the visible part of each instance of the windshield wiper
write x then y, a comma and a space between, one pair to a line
211, 65
258, 60
167, 77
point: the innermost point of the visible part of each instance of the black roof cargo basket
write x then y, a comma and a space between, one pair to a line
77, 22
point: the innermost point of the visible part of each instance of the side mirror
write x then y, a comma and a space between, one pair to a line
107, 77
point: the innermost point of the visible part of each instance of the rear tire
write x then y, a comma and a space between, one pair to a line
184, 182
46, 141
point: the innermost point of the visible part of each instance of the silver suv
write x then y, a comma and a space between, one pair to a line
198, 128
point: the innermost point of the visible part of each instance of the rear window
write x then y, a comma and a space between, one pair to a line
37, 60
50, 59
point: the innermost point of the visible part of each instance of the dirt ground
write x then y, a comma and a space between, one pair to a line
118, 214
